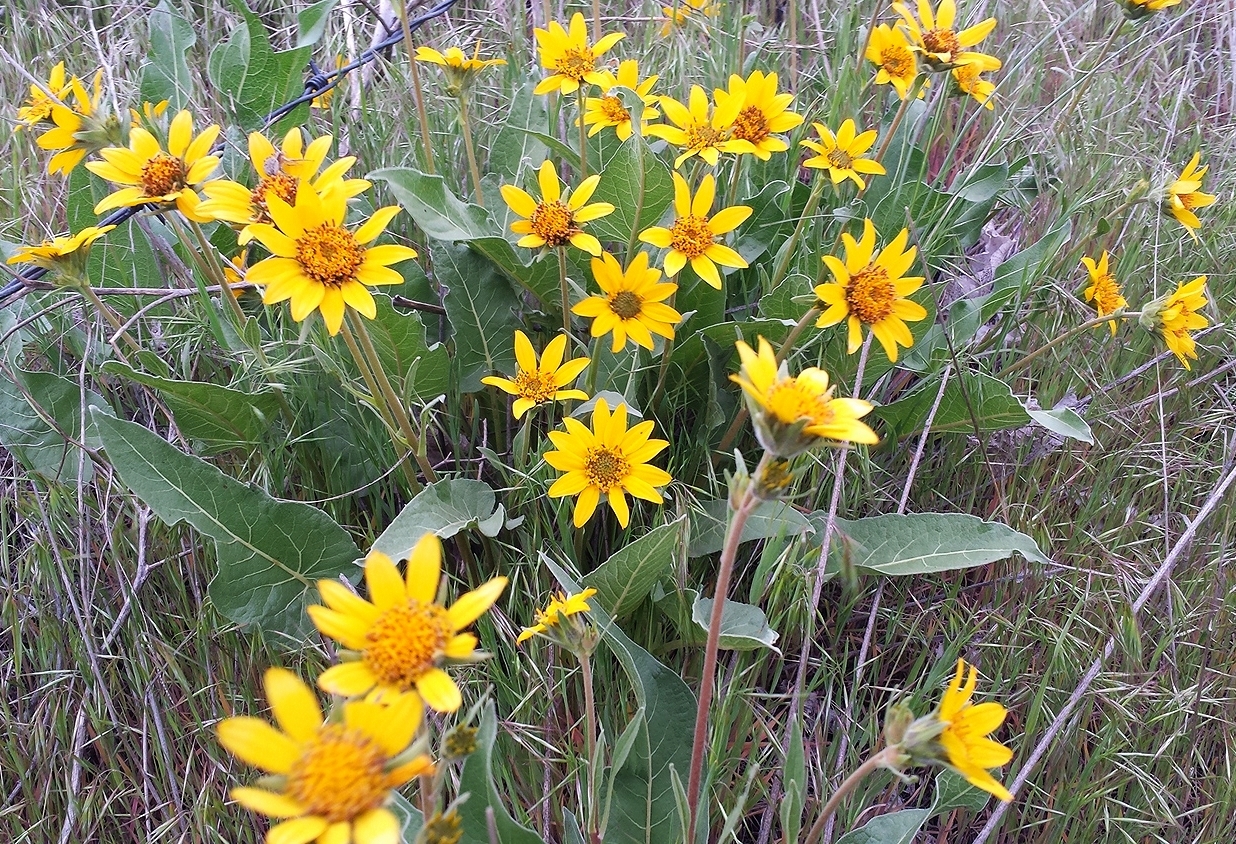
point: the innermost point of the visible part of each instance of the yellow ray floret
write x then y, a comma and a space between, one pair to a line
762, 115
50, 253
536, 383
1184, 195
1104, 290
968, 749
1177, 315
842, 154
895, 63
693, 236
700, 129
608, 109
934, 37
559, 217
570, 56
560, 606
632, 303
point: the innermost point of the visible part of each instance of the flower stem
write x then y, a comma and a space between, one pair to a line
590, 746
733, 538
875, 761
417, 94
562, 289
114, 321
596, 21
583, 135
787, 251
214, 269
1022, 363
469, 149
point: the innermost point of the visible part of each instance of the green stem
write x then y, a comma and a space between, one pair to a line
112, 319
1056, 341
562, 289
214, 270
583, 136
787, 251
590, 746
469, 149
417, 94
874, 762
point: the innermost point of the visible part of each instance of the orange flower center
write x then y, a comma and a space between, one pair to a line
536, 386
554, 223
870, 294
702, 136
613, 110
340, 775
163, 174
790, 401
606, 468
691, 236
840, 159
941, 42
751, 125
405, 641
1189, 200
278, 184
329, 254
1106, 294
896, 60
626, 305
575, 63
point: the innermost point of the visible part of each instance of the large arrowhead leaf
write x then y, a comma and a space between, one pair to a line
483, 311
515, 145
444, 508
165, 76
744, 627
422, 370
894, 828
638, 185
270, 552
625, 579
255, 79
770, 519
29, 433
477, 780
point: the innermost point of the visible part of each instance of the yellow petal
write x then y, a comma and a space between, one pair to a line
439, 691
470, 606
258, 743
267, 802
386, 587
347, 679
298, 831
294, 705
377, 826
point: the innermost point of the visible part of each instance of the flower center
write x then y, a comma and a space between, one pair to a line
1188, 200
163, 174
967, 77
329, 254
789, 401
613, 110
1107, 294
554, 223
870, 294
896, 60
576, 63
751, 125
405, 641
691, 236
626, 305
701, 136
278, 184
942, 42
535, 386
840, 159
340, 775
605, 468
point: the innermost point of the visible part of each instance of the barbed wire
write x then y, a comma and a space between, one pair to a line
316, 84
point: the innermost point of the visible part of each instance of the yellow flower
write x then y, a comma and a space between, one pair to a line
38, 107
71, 249
1104, 290
889, 50
460, 70
318, 263
699, 129
1136, 9
1185, 194
155, 177
150, 114
560, 606
693, 235
763, 114
538, 383
569, 55
937, 41
872, 291
79, 131
558, 218
1176, 315
400, 638
969, 82
606, 460
279, 171
680, 13
632, 304
329, 780
842, 154
966, 727
793, 412
608, 110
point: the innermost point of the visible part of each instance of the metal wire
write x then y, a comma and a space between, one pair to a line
317, 84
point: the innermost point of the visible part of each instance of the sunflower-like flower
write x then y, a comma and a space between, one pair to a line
79, 130
700, 129
871, 290
606, 459
279, 172
1176, 316
398, 640
969, 81
842, 154
686, 10
890, 52
570, 56
38, 107
1137, 9
692, 237
967, 749
165, 179
936, 40
608, 109
318, 263
329, 780
1104, 290
559, 217
1183, 195
536, 383
460, 70
631, 304
70, 251
560, 607
793, 413
763, 114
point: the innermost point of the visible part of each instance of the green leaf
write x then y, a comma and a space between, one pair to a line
638, 185
270, 552
399, 336
477, 780
165, 75
627, 577
219, 418
795, 775
571, 833
893, 828
643, 810
770, 519
1013, 278
28, 433
925, 543
253, 78
410, 818
1063, 421
770, 222
444, 508
311, 22
953, 792
515, 143
483, 311
743, 627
